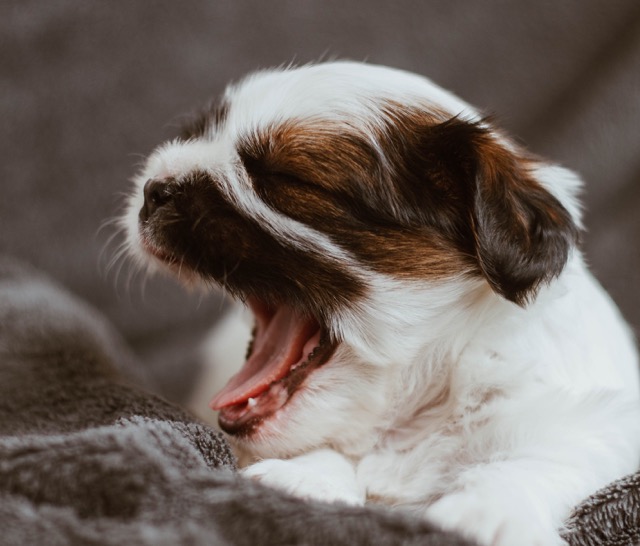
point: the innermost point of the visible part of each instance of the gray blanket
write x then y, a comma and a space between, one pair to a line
87, 458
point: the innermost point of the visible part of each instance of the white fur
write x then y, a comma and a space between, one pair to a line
443, 399
323, 474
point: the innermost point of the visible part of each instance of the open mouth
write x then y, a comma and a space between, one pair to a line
285, 349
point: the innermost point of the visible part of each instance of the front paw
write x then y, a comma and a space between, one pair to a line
490, 522
306, 482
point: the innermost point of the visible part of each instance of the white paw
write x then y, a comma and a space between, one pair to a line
490, 522
304, 481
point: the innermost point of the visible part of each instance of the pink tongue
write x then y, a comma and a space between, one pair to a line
278, 345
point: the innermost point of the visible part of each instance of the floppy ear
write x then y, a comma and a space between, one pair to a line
522, 233
518, 233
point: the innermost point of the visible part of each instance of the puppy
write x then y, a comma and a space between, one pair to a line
427, 335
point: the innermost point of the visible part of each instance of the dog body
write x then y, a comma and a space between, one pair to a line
427, 334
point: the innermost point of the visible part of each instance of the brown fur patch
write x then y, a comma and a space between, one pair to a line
416, 197
337, 182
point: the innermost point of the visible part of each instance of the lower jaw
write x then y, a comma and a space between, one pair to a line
239, 430
242, 420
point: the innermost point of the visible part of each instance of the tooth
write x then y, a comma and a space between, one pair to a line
251, 402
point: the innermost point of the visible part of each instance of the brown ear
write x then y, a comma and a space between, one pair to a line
489, 203
522, 233
460, 178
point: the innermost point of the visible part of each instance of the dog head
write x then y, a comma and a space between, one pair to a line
363, 214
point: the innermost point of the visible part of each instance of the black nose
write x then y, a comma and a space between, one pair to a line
156, 194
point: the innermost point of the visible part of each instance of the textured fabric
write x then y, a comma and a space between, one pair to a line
610, 517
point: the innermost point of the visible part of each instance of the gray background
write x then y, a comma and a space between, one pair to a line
88, 88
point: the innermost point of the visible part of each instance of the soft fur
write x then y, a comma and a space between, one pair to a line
473, 370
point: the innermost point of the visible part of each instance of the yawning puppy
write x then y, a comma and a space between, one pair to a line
426, 332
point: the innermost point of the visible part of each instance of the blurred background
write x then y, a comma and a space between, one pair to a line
88, 88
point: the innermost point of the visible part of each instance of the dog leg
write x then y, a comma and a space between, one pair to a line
489, 508
323, 475
551, 466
